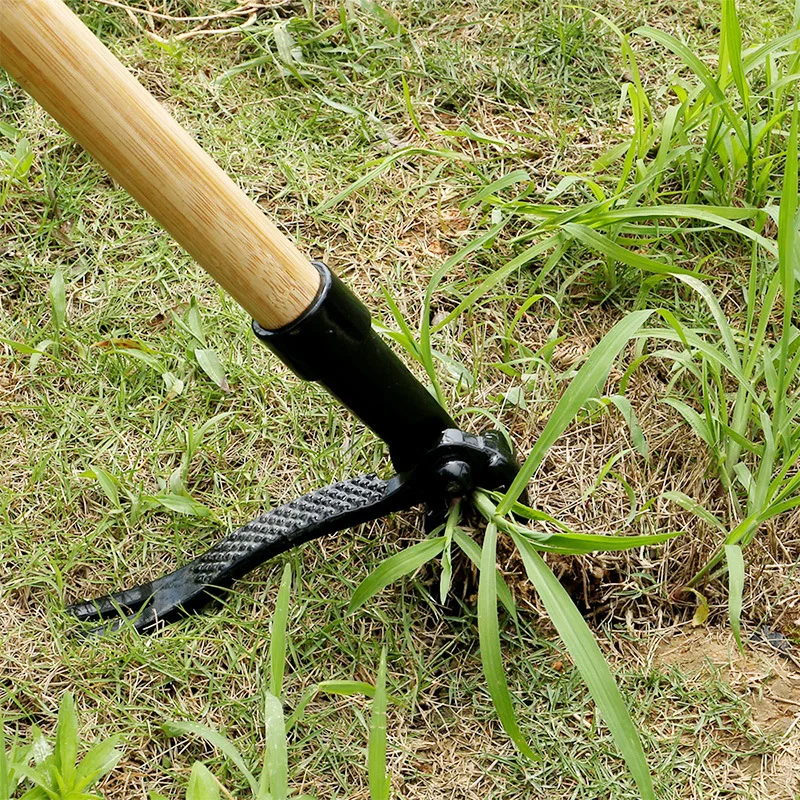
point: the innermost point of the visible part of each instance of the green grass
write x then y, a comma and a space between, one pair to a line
479, 163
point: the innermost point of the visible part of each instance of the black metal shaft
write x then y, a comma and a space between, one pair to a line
333, 343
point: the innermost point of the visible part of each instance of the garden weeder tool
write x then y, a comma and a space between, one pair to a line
302, 312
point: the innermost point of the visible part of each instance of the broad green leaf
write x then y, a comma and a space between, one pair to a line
393, 568
195, 322
65, 751
733, 555
100, 760
583, 648
23, 158
275, 757
174, 384
288, 50
384, 16
210, 364
347, 688
489, 637
217, 740
702, 611
38, 793
58, 298
277, 643
41, 749
583, 386
202, 784
36, 355
108, 483
182, 504
41, 782
379, 784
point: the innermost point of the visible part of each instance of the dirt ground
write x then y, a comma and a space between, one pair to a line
769, 681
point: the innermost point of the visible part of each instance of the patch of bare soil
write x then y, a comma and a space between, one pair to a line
770, 684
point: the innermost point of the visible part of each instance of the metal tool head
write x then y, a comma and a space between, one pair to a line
454, 466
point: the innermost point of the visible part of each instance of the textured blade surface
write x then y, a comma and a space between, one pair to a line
289, 525
327, 510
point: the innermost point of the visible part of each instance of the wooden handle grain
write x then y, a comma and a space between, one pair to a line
58, 60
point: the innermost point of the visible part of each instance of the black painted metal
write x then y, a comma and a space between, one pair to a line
333, 343
457, 463
338, 506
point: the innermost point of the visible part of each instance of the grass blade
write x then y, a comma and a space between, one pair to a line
276, 765
700, 70
499, 275
582, 387
517, 176
376, 750
383, 165
731, 348
215, 739
489, 635
453, 518
735, 559
5, 777
788, 234
569, 542
623, 405
277, 644
425, 347
595, 240
583, 648
394, 568
472, 551
732, 39
684, 501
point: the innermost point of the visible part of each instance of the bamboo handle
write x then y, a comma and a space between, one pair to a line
57, 59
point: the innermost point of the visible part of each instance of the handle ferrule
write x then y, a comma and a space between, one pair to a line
333, 343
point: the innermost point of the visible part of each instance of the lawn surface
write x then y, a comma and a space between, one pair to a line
110, 411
